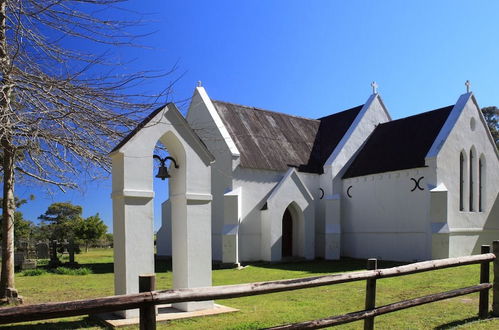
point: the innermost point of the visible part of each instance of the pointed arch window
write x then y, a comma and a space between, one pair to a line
481, 183
472, 160
472, 179
461, 181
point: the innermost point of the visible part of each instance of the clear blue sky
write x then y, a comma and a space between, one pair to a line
311, 58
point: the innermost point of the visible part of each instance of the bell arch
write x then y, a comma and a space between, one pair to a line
190, 195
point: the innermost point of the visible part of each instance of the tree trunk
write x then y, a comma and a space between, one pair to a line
7, 290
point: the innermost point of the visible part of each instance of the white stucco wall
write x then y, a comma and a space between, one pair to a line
468, 230
256, 186
372, 114
190, 195
230, 232
164, 234
328, 226
205, 121
289, 192
384, 219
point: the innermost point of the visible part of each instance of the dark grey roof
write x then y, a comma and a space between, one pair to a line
332, 128
399, 144
275, 141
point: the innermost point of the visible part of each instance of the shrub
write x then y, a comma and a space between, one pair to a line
34, 272
72, 271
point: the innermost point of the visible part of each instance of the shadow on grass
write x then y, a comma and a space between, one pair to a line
310, 266
454, 324
100, 268
163, 265
325, 266
77, 324
96, 268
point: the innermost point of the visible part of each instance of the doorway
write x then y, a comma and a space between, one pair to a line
287, 234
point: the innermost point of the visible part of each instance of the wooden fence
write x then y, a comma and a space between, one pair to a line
147, 299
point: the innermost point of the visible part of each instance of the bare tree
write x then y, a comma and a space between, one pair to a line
61, 109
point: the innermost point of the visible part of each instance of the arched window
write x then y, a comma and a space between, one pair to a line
481, 183
461, 181
472, 160
471, 180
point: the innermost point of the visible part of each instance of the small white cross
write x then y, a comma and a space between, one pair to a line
468, 85
199, 83
374, 85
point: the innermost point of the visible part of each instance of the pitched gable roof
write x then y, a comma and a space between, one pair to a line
276, 141
141, 125
399, 144
332, 128
172, 117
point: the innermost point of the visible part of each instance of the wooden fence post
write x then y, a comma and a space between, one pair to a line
147, 282
483, 305
495, 288
372, 264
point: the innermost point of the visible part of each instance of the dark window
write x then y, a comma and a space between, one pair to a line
480, 184
461, 182
287, 234
472, 160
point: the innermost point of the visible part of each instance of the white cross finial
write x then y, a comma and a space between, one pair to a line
468, 85
199, 83
374, 85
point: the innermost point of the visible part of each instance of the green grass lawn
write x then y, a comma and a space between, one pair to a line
276, 308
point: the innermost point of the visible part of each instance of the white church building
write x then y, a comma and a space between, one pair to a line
354, 183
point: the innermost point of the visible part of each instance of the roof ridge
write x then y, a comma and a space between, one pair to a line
342, 111
409, 138
449, 107
265, 110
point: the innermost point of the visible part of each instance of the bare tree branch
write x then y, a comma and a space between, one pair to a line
63, 109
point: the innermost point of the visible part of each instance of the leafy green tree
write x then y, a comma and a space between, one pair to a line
90, 230
110, 239
23, 229
491, 115
61, 221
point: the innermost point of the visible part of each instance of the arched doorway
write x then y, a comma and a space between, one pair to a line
287, 234
293, 232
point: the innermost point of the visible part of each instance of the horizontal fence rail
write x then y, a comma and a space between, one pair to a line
138, 300
356, 316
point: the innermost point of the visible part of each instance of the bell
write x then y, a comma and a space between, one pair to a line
162, 172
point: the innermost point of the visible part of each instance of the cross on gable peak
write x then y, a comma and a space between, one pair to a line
468, 85
374, 85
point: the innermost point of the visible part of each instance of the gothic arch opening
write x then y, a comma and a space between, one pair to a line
472, 178
164, 164
287, 234
481, 183
169, 152
293, 232
463, 175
